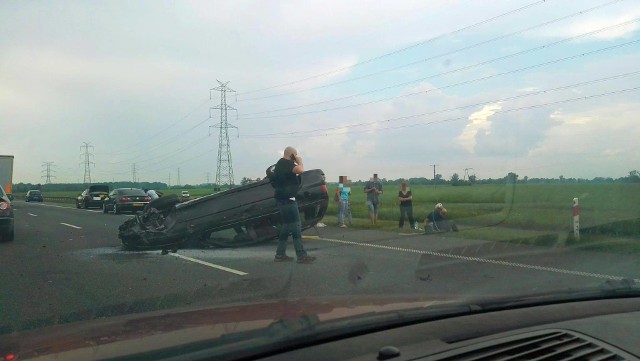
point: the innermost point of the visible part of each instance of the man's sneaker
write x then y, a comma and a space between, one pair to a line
284, 258
343, 226
306, 259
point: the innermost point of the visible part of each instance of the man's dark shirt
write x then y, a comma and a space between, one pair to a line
285, 182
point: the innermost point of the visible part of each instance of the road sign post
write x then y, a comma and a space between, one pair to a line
576, 219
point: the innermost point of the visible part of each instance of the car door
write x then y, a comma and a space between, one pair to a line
108, 203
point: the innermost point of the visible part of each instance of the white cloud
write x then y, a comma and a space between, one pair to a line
479, 124
592, 23
605, 137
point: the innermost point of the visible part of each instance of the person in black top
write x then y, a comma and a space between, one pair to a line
286, 181
406, 206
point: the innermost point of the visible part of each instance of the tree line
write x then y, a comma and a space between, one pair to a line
633, 177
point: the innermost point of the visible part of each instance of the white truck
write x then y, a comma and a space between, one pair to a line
6, 174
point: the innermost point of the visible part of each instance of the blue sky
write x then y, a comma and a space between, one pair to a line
134, 80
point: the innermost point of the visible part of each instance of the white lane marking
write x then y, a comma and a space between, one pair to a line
32, 215
71, 225
209, 264
483, 260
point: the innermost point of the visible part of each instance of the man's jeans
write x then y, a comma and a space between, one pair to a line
290, 225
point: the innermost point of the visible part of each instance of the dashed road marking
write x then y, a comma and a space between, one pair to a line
482, 260
70, 225
32, 215
222, 268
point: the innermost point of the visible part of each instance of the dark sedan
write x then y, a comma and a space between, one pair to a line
125, 200
6, 217
33, 196
93, 196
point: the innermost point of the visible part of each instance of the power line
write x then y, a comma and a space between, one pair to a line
511, 12
244, 116
582, 12
571, 100
147, 138
342, 127
164, 143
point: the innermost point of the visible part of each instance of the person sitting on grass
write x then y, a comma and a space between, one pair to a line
435, 221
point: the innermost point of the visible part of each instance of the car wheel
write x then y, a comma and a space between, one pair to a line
85, 205
115, 209
104, 208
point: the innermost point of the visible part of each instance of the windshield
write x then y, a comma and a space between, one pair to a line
333, 154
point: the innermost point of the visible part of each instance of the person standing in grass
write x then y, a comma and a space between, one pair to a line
345, 211
373, 188
406, 206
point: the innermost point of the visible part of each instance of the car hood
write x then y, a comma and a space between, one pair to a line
144, 332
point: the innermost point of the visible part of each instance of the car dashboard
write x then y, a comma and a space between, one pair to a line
590, 330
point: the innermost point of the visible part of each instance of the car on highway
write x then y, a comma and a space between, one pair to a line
125, 200
92, 197
241, 216
33, 196
184, 196
7, 228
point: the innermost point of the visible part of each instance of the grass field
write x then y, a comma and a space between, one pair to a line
540, 214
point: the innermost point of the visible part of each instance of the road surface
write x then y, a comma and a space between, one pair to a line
67, 264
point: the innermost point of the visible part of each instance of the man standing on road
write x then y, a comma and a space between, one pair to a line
373, 188
286, 182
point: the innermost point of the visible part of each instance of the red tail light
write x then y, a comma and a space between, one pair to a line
4, 206
324, 188
125, 199
147, 199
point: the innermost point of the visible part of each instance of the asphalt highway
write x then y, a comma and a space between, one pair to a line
67, 264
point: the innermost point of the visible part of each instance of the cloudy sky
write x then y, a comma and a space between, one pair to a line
541, 88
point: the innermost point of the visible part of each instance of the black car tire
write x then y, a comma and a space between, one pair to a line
85, 205
104, 208
115, 209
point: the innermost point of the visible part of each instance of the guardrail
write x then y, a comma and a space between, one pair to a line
60, 199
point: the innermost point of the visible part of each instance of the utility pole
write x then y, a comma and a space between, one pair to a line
134, 173
87, 161
178, 182
47, 172
169, 179
434, 174
224, 173
208, 178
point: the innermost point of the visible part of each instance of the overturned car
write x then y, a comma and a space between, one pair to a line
240, 216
